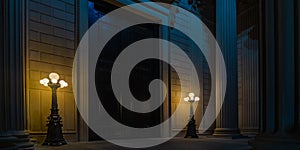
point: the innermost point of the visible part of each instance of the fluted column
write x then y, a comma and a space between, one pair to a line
298, 60
12, 134
226, 33
268, 57
248, 62
279, 106
248, 85
285, 93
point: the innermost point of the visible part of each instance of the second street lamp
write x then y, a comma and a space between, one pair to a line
191, 130
54, 132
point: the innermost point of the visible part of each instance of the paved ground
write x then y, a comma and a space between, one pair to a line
203, 143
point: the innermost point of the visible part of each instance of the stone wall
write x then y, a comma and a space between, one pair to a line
186, 69
50, 48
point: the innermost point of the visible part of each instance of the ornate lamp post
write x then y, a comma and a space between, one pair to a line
54, 133
191, 131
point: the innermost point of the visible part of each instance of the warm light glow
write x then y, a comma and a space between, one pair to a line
186, 99
54, 81
44, 82
192, 95
54, 76
63, 83
191, 98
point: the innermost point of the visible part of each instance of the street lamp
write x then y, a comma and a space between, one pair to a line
191, 131
54, 133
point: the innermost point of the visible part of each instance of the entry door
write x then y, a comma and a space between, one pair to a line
140, 78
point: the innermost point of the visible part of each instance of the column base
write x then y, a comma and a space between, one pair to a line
265, 142
209, 131
23, 141
16, 140
227, 132
8, 142
206, 132
249, 132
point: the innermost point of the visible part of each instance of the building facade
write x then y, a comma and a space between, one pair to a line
259, 41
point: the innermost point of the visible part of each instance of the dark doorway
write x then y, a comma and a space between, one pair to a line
140, 77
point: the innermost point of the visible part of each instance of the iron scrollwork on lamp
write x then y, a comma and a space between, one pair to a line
54, 132
191, 130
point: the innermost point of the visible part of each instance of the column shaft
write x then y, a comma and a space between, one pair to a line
268, 62
285, 66
248, 62
12, 128
297, 57
226, 33
279, 116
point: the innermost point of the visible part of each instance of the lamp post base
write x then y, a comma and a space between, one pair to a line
191, 131
54, 133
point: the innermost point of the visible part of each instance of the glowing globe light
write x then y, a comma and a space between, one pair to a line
191, 95
191, 98
44, 81
54, 79
63, 84
186, 99
54, 76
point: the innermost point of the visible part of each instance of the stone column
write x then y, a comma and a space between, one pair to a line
248, 62
298, 61
82, 27
226, 33
12, 134
285, 67
279, 110
268, 76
